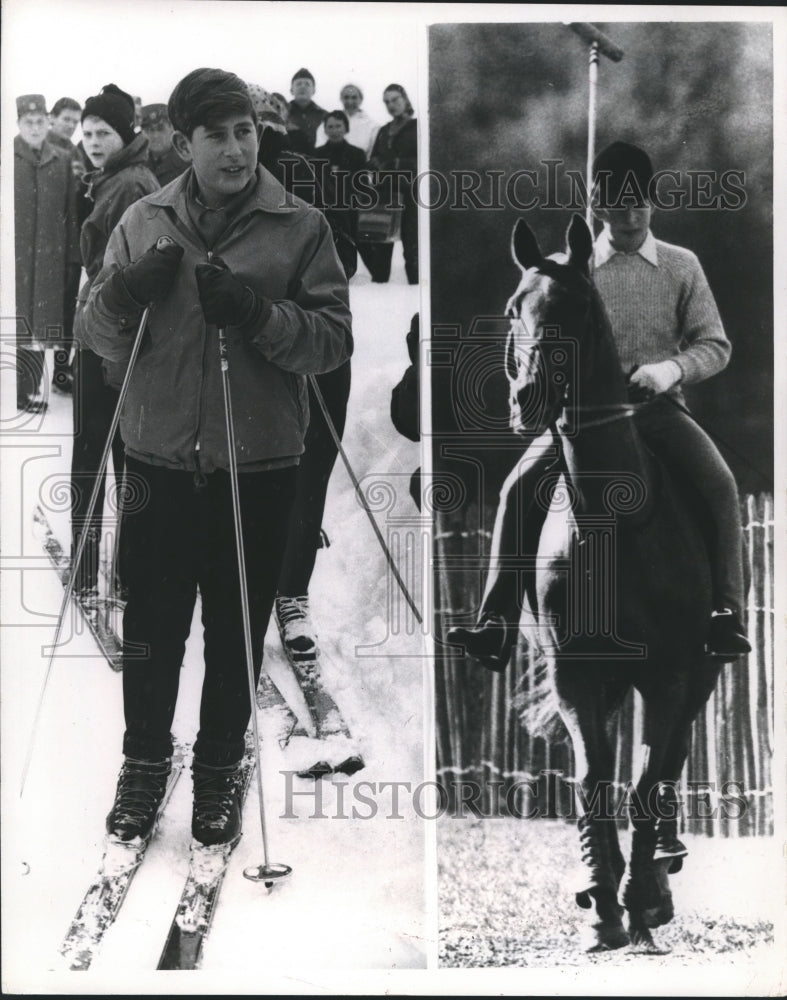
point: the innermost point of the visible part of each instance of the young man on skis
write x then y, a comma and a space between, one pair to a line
248, 258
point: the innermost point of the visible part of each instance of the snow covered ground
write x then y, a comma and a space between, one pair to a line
356, 898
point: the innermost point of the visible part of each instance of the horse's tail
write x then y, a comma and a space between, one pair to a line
534, 696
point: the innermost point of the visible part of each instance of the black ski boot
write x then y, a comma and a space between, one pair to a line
216, 815
140, 791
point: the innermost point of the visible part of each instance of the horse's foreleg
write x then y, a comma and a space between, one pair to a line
583, 706
656, 851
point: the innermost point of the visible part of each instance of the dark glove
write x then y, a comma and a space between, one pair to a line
225, 300
143, 281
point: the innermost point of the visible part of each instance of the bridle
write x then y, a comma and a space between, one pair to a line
609, 412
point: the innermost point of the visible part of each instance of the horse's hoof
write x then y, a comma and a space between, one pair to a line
657, 916
599, 937
642, 942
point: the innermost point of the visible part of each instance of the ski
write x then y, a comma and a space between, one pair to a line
101, 903
98, 615
197, 904
341, 750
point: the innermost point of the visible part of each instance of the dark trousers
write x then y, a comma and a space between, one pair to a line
94, 404
178, 539
314, 472
62, 366
29, 373
377, 256
671, 434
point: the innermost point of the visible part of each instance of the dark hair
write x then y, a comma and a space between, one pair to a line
342, 118
400, 90
621, 171
205, 96
65, 104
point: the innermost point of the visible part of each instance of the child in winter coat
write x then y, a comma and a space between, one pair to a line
246, 257
121, 176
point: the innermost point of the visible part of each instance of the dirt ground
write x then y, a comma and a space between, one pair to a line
505, 899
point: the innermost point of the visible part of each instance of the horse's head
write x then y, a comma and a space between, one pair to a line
549, 313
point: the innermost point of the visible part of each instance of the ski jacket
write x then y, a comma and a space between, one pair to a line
125, 178
46, 239
174, 413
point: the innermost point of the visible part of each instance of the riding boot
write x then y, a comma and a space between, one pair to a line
490, 641
667, 843
646, 893
602, 866
727, 636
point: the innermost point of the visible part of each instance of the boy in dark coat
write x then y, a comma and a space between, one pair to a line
120, 176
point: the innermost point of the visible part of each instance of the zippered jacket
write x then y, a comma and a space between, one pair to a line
174, 412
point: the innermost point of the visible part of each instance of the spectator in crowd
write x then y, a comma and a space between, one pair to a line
280, 105
165, 161
46, 242
63, 120
362, 129
304, 114
344, 162
282, 156
121, 176
396, 149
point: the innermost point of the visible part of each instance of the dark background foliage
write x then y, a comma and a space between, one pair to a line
697, 96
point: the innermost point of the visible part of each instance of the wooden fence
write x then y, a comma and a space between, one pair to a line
489, 764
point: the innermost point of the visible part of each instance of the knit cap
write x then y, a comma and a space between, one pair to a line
116, 107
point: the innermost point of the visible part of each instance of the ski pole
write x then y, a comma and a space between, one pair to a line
82, 539
359, 492
599, 44
266, 872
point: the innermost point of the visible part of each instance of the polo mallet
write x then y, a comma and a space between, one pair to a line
91, 507
267, 872
599, 44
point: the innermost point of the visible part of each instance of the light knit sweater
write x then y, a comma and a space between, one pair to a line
660, 306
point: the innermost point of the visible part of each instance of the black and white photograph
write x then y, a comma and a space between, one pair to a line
204, 471
601, 364
392, 499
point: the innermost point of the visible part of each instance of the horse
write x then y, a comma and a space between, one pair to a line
620, 592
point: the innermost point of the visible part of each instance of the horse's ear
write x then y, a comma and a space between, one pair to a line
524, 246
580, 243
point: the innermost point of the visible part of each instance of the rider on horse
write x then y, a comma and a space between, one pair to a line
667, 330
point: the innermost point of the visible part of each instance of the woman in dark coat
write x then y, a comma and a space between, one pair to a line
396, 148
344, 162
